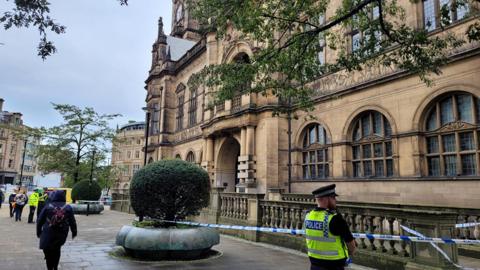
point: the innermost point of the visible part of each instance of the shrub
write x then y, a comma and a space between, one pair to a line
169, 189
86, 190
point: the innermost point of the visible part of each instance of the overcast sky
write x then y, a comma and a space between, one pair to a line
102, 60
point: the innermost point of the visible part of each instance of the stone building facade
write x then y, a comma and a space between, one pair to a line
127, 153
381, 134
11, 148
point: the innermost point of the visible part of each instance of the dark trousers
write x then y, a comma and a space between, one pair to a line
30, 215
18, 212
52, 256
11, 209
40, 207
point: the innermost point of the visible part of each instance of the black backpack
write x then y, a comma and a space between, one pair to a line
59, 217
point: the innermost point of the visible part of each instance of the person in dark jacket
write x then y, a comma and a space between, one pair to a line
11, 200
52, 237
2, 197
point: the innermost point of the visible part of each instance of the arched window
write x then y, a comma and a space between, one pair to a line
150, 160
178, 156
315, 156
452, 137
191, 157
372, 146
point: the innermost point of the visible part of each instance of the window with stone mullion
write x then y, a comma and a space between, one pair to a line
455, 152
432, 13
180, 113
315, 154
372, 158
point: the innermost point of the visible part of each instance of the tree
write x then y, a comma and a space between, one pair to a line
288, 35
68, 147
106, 176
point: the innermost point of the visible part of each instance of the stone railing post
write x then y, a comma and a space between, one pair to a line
215, 205
274, 194
254, 217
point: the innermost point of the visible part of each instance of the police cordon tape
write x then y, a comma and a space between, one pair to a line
466, 225
422, 239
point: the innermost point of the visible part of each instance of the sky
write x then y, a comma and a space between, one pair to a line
102, 60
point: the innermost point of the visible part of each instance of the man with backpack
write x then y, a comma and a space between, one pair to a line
53, 225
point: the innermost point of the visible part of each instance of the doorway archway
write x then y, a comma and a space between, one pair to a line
227, 165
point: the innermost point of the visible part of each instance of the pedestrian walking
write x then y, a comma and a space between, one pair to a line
42, 198
33, 203
2, 197
20, 200
11, 202
53, 225
329, 240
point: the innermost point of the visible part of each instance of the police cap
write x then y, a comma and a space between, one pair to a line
325, 191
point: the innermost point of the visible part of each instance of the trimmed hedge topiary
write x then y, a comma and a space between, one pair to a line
169, 189
86, 190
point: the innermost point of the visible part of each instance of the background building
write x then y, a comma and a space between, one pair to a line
381, 134
127, 153
11, 146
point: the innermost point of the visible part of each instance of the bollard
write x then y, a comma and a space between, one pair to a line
88, 207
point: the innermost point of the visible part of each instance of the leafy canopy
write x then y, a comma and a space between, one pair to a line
287, 37
69, 147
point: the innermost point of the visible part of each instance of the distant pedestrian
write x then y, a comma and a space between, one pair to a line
2, 197
53, 224
43, 197
33, 203
20, 200
11, 202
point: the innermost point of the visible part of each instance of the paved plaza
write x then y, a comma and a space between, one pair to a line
96, 237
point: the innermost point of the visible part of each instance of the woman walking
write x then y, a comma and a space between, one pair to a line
53, 224
20, 201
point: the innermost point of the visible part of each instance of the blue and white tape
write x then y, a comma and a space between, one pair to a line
411, 231
422, 239
467, 225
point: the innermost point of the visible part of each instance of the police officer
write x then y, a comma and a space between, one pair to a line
329, 240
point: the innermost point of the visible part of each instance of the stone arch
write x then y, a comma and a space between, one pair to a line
421, 112
177, 156
298, 138
226, 164
237, 49
150, 160
190, 157
349, 124
180, 87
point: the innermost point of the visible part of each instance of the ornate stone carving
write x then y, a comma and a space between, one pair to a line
188, 134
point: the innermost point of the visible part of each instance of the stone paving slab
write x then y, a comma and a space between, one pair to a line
96, 236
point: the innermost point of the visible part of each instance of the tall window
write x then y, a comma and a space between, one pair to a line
192, 108
315, 156
359, 37
180, 113
155, 129
432, 12
191, 157
452, 136
372, 146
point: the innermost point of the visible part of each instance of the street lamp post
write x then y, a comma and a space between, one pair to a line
91, 179
23, 160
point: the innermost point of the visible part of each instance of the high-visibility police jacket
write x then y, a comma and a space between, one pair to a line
33, 199
321, 243
43, 197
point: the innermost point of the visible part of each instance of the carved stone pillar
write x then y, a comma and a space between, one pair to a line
207, 158
246, 161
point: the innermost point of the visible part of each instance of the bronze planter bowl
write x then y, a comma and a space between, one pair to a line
167, 243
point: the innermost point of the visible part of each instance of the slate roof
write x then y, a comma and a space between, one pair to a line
178, 47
